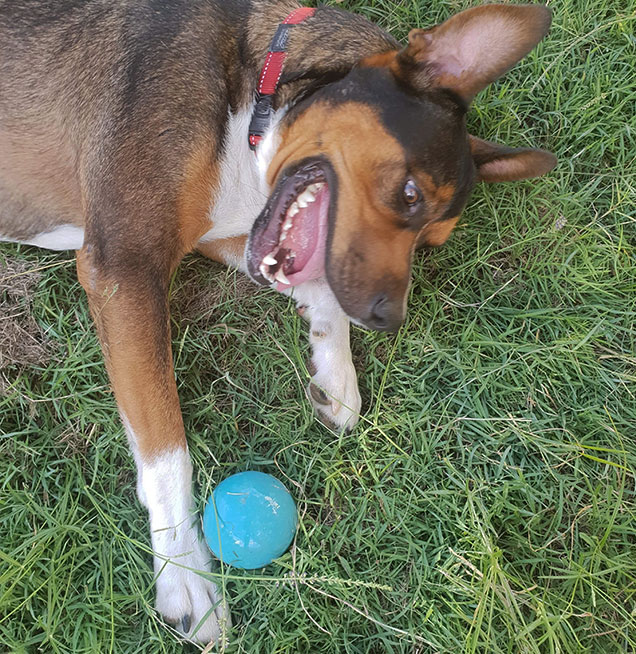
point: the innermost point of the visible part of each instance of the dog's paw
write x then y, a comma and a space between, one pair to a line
188, 601
335, 396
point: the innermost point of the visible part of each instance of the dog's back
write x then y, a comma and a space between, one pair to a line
81, 79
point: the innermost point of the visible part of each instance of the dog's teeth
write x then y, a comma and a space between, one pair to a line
280, 276
287, 224
314, 188
305, 198
293, 210
283, 232
265, 272
270, 260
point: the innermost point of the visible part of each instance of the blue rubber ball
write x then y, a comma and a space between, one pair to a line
249, 520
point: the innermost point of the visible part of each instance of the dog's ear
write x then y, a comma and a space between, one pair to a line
499, 163
473, 48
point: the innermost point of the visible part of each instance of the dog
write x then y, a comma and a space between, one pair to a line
305, 147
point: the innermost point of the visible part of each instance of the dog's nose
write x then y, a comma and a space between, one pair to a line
386, 315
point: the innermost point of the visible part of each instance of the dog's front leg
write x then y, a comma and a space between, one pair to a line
333, 390
130, 309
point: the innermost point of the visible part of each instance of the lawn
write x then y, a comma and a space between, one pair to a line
485, 502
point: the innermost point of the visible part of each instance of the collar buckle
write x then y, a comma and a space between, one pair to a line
261, 118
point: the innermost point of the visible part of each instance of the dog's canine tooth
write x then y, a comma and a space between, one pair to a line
270, 260
280, 277
265, 272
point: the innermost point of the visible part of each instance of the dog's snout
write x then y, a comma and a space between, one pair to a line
385, 314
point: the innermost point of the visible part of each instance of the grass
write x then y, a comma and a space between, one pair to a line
486, 501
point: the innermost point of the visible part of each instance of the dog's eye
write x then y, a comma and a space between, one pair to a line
412, 194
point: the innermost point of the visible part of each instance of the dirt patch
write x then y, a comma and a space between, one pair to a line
22, 341
201, 292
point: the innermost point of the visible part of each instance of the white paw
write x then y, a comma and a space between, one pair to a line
188, 601
334, 394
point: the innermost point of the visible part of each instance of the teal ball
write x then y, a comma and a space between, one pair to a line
249, 520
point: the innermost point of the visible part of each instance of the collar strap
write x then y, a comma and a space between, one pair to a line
270, 75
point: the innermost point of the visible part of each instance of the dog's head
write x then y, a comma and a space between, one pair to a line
379, 162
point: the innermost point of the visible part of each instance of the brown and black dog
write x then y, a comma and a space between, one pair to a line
124, 135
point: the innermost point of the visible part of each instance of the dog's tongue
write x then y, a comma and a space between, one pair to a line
308, 239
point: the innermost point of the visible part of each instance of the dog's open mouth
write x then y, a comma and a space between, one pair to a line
288, 241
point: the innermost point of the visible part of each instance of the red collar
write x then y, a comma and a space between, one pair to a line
270, 75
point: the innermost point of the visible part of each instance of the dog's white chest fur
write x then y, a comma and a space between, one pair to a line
242, 191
